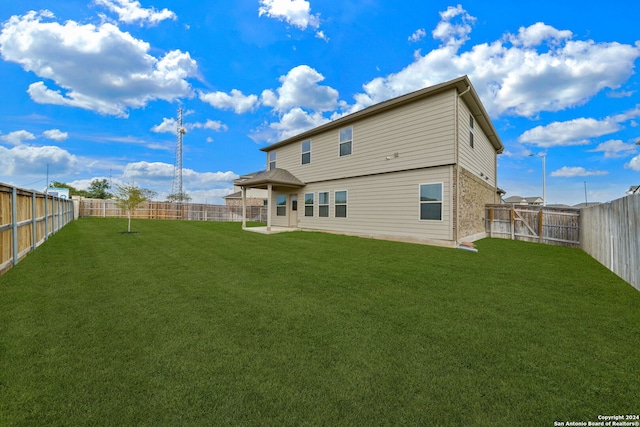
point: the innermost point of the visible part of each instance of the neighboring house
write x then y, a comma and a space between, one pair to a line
634, 189
517, 200
253, 196
419, 168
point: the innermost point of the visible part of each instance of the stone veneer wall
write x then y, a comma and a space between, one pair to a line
475, 193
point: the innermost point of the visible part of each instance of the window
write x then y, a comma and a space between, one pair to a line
471, 131
308, 204
294, 202
431, 202
341, 204
272, 160
346, 140
306, 152
281, 206
323, 204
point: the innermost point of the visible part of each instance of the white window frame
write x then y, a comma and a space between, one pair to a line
421, 202
336, 204
279, 207
471, 130
327, 204
309, 205
272, 160
345, 141
308, 152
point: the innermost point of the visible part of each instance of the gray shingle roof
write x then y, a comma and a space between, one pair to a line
277, 176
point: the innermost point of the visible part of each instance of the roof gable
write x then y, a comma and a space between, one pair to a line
461, 84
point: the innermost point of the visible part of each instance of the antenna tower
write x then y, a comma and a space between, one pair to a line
177, 171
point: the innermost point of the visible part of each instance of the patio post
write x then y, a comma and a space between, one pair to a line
244, 208
269, 188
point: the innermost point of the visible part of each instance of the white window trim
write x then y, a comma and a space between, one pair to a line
341, 142
471, 131
313, 205
302, 152
328, 204
286, 205
441, 202
335, 204
269, 160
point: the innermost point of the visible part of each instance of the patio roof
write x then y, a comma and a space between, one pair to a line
276, 177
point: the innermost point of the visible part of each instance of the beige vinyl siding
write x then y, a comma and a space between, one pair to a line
482, 157
421, 133
384, 205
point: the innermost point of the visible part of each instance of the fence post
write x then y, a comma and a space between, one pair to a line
14, 225
34, 221
46, 216
490, 222
512, 219
540, 228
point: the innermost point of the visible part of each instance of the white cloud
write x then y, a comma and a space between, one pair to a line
236, 101
572, 132
614, 148
300, 88
322, 35
209, 124
148, 171
56, 135
171, 125
167, 126
634, 164
538, 33
98, 68
538, 69
293, 12
295, 122
18, 137
25, 160
418, 35
130, 11
576, 171
453, 33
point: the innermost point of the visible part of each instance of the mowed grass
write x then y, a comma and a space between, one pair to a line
195, 323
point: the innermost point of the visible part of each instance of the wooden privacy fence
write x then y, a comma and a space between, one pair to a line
553, 226
167, 210
27, 219
611, 234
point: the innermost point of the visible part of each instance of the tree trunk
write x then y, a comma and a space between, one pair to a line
129, 227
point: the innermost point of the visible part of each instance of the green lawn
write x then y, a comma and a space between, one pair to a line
195, 323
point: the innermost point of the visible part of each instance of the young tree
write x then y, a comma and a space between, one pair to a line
99, 189
128, 197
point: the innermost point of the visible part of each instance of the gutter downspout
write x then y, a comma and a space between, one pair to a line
457, 162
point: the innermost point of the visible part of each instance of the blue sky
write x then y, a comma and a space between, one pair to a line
90, 88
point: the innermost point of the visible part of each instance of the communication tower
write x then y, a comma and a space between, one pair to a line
177, 171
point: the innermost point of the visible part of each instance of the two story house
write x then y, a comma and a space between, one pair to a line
417, 168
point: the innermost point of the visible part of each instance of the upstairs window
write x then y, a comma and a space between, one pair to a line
346, 141
431, 202
272, 160
306, 152
308, 204
340, 203
281, 206
323, 204
471, 131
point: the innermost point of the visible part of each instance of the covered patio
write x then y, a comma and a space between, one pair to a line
272, 180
